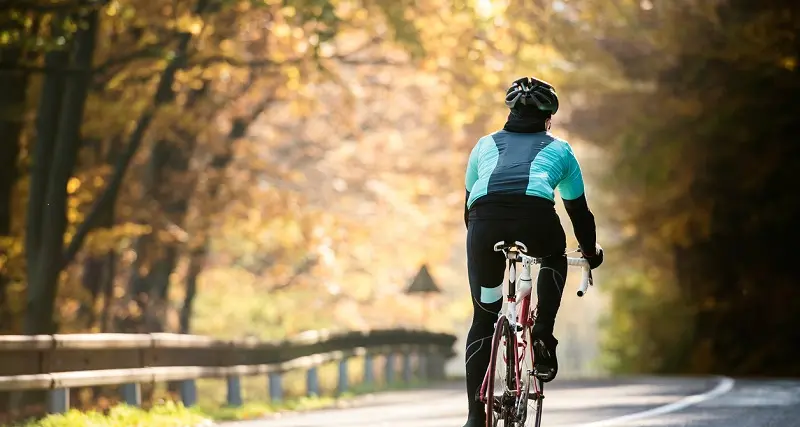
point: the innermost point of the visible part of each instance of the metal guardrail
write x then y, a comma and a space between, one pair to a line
60, 362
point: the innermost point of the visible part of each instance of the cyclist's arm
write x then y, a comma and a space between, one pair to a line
573, 194
466, 210
470, 177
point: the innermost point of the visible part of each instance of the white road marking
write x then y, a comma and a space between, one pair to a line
432, 408
725, 385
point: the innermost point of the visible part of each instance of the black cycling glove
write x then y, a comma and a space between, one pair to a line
594, 259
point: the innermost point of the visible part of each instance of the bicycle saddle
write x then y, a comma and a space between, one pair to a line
517, 246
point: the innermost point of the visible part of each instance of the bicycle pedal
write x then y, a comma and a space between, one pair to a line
535, 396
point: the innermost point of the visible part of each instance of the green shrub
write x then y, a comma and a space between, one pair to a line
647, 327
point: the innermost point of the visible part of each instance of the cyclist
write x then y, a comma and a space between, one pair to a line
510, 181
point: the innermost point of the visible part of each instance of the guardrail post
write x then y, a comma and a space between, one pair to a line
407, 367
188, 393
132, 394
312, 382
430, 364
369, 369
342, 388
436, 366
389, 368
422, 366
234, 391
275, 387
58, 401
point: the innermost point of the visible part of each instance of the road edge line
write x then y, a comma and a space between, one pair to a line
725, 385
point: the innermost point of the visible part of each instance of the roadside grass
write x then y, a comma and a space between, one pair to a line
168, 414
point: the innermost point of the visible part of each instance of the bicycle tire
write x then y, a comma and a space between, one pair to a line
501, 404
537, 420
537, 393
537, 396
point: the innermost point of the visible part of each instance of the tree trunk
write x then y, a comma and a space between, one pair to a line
157, 259
37, 319
52, 183
91, 279
13, 96
171, 187
13, 87
96, 267
109, 274
46, 121
196, 263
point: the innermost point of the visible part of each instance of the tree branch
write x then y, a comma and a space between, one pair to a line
152, 50
236, 62
371, 61
307, 264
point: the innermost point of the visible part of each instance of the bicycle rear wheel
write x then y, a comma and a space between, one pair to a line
500, 394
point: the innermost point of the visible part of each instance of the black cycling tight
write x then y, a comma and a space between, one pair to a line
544, 237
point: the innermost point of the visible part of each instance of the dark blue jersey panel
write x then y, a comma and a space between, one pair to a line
516, 152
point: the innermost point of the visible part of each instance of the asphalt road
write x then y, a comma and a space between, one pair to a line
629, 402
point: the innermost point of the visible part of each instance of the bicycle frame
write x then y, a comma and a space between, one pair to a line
518, 322
523, 321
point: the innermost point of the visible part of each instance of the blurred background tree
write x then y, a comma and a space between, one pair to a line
704, 145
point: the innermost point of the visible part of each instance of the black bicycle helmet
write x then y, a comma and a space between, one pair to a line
532, 92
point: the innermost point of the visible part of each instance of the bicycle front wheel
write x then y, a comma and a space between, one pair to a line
501, 387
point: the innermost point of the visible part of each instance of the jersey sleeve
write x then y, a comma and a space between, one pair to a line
572, 192
472, 167
571, 185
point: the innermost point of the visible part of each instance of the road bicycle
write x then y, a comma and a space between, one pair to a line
521, 385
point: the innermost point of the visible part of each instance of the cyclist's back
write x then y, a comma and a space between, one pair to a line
511, 178
523, 163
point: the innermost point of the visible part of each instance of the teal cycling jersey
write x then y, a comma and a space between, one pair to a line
534, 164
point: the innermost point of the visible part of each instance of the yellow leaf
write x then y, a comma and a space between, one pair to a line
790, 63
133, 309
73, 185
190, 24
288, 11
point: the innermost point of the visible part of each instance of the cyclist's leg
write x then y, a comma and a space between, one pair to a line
486, 270
545, 238
550, 287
